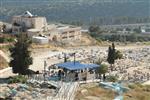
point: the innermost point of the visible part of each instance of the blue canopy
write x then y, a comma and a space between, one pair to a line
76, 65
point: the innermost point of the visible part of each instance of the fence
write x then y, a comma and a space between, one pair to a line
66, 89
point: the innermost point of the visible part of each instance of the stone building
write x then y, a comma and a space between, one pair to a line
27, 21
36, 26
1, 26
65, 33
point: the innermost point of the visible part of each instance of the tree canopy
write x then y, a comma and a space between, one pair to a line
113, 54
103, 69
20, 55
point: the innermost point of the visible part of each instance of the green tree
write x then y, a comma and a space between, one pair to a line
133, 37
118, 55
137, 30
102, 69
20, 55
112, 78
94, 29
128, 29
111, 55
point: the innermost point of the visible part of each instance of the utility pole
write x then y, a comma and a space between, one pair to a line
74, 54
65, 57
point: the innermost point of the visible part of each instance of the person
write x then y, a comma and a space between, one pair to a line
62, 75
84, 76
104, 77
59, 74
76, 77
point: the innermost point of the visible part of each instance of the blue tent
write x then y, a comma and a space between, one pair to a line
76, 65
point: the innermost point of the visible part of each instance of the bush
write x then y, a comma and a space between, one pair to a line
131, 86
118, 55
6, 39
2, 40
112, 78
17, 79
135, 86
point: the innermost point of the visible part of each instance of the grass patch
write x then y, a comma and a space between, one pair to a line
17, 79
138, 92
96, 91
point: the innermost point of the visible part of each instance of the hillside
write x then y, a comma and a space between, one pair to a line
83, 11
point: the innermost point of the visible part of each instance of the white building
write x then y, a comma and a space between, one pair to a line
35, 26
65, 33
40, 40
5, 27
145, 30
33, 32
27, 21
1, 26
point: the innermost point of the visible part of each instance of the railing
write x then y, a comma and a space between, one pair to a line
66, 91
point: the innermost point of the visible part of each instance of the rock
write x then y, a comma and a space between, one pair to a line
24, 86
34, 94
2, 97
92, 98
84, 91
129, 95
44, 85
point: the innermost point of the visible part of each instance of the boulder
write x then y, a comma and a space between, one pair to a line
84, 91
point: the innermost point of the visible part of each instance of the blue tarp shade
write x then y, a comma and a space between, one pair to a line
76, 65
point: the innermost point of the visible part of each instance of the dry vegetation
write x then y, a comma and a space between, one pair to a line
45, 46
138, 92
3, 63
95, 92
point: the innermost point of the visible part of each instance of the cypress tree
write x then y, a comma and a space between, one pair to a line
111, 55
20, 55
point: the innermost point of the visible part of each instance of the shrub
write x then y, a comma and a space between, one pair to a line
6, 39
118, 55
17, 79
112, 78
131, 86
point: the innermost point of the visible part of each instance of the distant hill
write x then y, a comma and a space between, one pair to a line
83, 11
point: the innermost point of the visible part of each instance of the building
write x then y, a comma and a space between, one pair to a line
76, 71
145, 30
35, 26
5, 27
1, 26
27, 21
33, 32
65, 33
40, 40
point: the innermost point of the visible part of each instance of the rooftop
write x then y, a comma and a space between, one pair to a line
33, 30
39, 37
27, 14
76, 65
